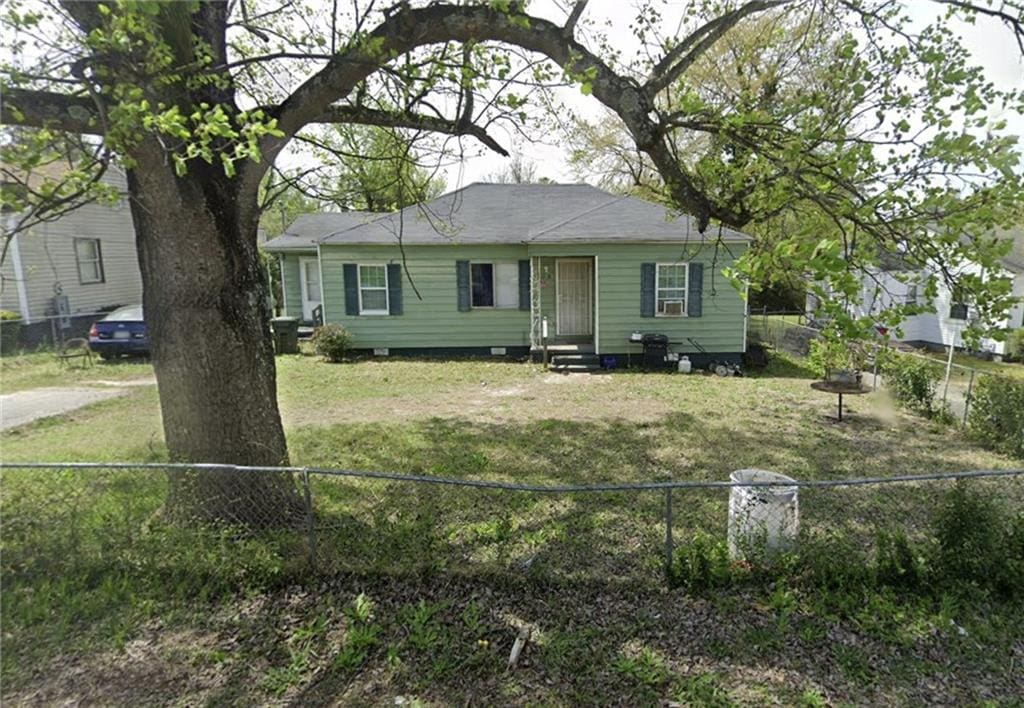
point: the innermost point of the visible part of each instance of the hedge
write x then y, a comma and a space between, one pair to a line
996, 417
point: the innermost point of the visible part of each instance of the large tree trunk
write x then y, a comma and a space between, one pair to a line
205, 302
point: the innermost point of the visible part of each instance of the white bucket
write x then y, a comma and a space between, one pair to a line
762, 519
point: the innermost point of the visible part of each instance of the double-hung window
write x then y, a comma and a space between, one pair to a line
373, 290
494, 285
89, 258
671, 281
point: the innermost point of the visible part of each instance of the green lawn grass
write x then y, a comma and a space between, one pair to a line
419, 592
38, 369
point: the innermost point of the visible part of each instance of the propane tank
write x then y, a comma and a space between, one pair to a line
684, 365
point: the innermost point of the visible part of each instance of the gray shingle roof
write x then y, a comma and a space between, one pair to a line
309, 229
516, 213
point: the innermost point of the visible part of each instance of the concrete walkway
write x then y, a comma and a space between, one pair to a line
26, 406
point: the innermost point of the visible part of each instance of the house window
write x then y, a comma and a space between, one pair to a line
373, 290
494, 285
911, 298
670, 284
89, 258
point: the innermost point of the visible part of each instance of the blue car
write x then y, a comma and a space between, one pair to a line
121, 333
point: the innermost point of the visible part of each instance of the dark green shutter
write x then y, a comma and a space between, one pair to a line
647, 289
695, 290
524, 285
350, 271
394, 288
462, 283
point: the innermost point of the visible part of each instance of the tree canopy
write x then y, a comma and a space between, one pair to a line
857, 130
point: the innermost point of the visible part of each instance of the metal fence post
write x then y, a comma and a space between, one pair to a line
967, 400
310, 520
669, 549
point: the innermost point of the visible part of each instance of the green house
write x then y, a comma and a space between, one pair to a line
511, 270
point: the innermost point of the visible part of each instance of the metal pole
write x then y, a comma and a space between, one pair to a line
967, 401
669, 548
310, 521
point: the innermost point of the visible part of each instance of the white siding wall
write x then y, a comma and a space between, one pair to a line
48, 257
935, 327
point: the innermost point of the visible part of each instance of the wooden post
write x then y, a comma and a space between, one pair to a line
967, 401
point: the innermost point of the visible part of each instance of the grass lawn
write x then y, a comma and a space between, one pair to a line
420, 592
39, 369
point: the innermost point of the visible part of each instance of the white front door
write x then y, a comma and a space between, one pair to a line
309, 280
574, 296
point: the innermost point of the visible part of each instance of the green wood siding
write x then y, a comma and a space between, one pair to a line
290, 285
434, 320
719, 329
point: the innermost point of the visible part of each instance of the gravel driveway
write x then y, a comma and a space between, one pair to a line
26, 406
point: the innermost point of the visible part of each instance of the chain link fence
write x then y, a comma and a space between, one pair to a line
783, 331
210, 524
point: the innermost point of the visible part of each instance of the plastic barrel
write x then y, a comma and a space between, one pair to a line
762, 520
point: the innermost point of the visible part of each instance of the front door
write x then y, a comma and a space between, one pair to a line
309, 278
574, 278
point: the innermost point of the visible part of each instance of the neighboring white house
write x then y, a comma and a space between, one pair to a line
71, 268
885, 286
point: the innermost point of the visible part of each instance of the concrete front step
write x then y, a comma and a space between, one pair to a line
588, 359
575, 369
576, 363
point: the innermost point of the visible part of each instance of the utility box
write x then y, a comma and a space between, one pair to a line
286, 335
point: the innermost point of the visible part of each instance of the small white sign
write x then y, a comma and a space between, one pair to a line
498, 351
382, 351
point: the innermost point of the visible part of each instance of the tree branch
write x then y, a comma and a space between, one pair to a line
574, 17
416, 121
46, 109
684, 54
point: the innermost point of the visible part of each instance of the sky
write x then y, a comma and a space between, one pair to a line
990, 43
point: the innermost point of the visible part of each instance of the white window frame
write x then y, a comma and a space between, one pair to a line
658, 288
97, 261
359, 283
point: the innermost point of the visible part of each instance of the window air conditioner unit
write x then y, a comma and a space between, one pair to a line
673, 307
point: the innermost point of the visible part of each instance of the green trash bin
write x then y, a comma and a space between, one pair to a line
286, 334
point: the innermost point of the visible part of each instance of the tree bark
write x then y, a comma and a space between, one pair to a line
205, 303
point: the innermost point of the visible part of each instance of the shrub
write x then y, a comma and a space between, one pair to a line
332, 342
978, 543
6, 315
912, 382
898, 564
1015, 345
996, 417
702, 564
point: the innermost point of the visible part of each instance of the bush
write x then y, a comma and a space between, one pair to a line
978, 542
898, 564
332, 342
996, 417
913, 382
701, 564
1015, 345
10, 331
